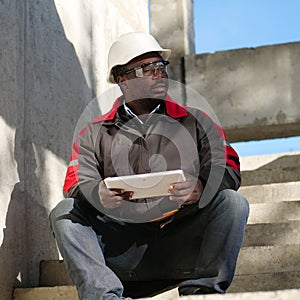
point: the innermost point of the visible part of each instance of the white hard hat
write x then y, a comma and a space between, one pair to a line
131, 45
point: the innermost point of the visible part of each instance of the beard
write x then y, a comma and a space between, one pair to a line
149, 104
145, 97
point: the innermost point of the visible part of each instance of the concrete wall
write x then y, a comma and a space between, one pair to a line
52, 64
254, 91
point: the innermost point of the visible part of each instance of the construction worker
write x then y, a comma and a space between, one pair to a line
115, 245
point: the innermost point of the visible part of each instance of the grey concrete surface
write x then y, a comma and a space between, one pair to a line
55, 293
69, 292
54, 273
172, 23
272, 193
52, 64
291, 294
254, 91
268, 259
254, 162
277, 233
12, 156
285, 168
267, 213
265, 282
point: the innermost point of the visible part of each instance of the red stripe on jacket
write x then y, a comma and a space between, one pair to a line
232, 158
72, 171
230, 155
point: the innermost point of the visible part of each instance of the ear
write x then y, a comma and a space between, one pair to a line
122, 82
121, 79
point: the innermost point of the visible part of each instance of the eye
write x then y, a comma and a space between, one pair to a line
148, 70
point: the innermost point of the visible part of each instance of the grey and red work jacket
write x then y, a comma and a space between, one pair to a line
174, 137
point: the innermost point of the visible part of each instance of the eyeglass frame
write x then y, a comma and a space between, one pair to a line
138, 74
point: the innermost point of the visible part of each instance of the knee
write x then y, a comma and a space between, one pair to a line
63, 208
235, 202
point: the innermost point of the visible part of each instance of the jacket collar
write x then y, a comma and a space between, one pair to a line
173, 109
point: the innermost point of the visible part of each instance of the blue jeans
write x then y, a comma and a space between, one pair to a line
103, 256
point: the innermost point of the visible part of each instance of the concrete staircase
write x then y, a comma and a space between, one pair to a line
269, 262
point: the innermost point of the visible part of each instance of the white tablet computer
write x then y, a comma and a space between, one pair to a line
146, 185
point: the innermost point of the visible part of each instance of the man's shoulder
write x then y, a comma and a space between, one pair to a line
110, 115
176, 110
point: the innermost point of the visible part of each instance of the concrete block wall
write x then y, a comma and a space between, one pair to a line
52, 64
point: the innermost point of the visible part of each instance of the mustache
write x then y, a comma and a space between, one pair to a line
160, 84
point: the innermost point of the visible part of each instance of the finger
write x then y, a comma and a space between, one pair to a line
185, 192
178, 200
185, 199
126, 195
116, 198
187, 185
175, 187
117, 191
113, 203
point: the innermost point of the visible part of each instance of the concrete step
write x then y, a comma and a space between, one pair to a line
46, 293
272, 193
284, 233
254, 261
265, 282
274, 212
288, 294
250, 163
54, 272
69, 293
268, 260
271, 176
252, 283
284, 168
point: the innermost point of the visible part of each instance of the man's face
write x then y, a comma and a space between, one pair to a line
153, 84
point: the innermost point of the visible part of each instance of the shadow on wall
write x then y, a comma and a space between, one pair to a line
43, 103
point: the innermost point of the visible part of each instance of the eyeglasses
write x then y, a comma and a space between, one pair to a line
149, 69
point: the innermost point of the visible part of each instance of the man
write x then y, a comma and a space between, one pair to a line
115, 246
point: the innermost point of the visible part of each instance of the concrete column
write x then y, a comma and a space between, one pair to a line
172, 23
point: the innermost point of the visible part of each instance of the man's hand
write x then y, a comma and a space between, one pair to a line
112, 198
187, 192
